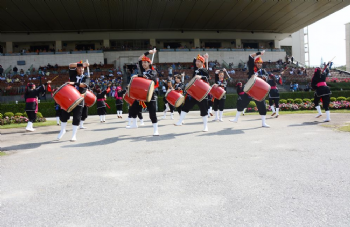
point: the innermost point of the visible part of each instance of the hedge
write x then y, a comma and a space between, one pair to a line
47, 108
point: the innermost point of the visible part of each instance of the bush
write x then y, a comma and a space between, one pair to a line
348, 99
333, 99
298, 101
307, 100
25, 114
18, 114
1, 116
283, 101
8, 114
341, 99
39, 115
251, 104
290, 100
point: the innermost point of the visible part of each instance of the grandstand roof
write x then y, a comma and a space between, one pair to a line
107, 15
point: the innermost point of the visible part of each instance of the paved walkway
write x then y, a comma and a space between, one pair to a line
293, 174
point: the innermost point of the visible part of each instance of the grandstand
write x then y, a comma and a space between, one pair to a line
55, 33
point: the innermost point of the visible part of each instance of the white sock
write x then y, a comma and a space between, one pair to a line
58, 120
164, 116
172, 116
277, 111
220, 115
129, 121
182, 117
104, 117
273, 109
155, 129
101, 118
205, 123
82, 124
328, 116
74, 136
63, 130
237, 116
244, 110
318, 108
210, 109
141, 122
216, 115
263, 119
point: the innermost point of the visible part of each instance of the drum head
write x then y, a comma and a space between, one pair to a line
179, 101
150, 91
249, 84
190, 83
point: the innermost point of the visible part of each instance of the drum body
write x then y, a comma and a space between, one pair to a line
257, 88
198, 89
174, 98
217, 92
68, 97
141, 89
89, 98
128, 99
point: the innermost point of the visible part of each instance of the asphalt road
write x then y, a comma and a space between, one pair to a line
296, 173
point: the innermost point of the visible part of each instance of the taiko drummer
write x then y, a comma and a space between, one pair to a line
146, 71
255, 69
200, 72
81, 82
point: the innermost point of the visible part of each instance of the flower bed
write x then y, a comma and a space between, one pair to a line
15, 119
335, 105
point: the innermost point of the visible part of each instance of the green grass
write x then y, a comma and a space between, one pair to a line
345, 128
2, 153
23, 125
233, 113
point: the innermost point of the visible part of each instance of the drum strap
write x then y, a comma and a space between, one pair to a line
143, 104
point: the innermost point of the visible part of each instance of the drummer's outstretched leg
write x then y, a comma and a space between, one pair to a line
277, 100
317, 105
133, 110
262, 111
139, 115
151, 106
189, 103
242, 103
77, 115
64, 117
203, 106
83, 117
171, 111
271, 102
215, 107
221, 108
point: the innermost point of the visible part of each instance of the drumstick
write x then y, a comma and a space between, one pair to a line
88, 70
153, 55
207, 60
227, 75
54, 78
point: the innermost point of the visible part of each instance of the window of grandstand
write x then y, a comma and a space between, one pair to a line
40, 47
89, 46
136, 44
171, 45
212, 44
250, 45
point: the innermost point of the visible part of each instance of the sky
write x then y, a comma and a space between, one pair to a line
327, 38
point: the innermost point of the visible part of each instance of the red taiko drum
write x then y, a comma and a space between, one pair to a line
257, 88
198, 89
128, 99
217, 92
89, 98
68, 97
174, 98
141, 89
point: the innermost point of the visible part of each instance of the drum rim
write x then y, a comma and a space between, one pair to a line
59, 89
149, 95
190, 83
245, 87
221, 95
94, 101
206, 94
75, 104
166, 94
180, 98
129, 85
